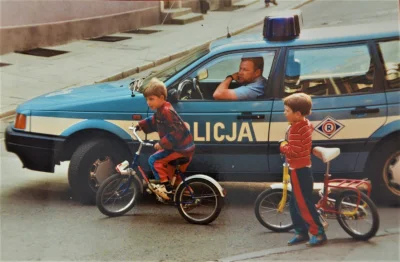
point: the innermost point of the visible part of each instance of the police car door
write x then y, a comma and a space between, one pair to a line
231, 137
348, 103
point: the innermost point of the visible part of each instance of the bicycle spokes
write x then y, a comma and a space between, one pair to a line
199, 200
118, 194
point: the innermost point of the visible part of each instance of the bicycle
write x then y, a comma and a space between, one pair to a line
349, 205
199, 198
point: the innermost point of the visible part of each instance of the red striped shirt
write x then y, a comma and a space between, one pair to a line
298, 148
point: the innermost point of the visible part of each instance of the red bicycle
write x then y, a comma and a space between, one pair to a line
347, 200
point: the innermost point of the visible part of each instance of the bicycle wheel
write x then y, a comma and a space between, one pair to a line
199, 202
117, 195
361, 223
266, 210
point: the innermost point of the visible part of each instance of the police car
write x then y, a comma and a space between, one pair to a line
351, 72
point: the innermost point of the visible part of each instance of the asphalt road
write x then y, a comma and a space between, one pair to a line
40, 220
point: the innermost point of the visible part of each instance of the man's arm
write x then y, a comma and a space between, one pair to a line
223, 92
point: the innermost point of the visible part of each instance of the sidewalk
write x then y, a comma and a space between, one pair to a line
89, 62
383, 247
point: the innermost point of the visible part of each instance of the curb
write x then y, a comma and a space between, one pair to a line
288, 249
182, 53
166, 59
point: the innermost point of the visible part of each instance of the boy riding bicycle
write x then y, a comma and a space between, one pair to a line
175, 138
297, 150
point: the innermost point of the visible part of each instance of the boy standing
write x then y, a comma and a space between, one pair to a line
175, 138
297, 150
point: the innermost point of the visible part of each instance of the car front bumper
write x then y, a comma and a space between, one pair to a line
36, 152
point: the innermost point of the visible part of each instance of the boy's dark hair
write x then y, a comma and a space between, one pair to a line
155, 88
299, 102
258, 62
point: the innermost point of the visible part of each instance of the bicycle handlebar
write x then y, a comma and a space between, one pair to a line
138, 138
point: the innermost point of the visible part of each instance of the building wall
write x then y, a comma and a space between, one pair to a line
28, 12
28, 24
31, 24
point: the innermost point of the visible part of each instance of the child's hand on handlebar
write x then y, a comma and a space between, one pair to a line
282, 142
157, 146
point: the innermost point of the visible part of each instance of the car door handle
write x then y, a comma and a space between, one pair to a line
364, 110
250, 116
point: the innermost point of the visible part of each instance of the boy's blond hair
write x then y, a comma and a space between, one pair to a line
299, 102
155, 88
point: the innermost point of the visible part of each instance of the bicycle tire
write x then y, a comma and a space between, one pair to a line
342, 218
102, 193
267, 194
185, 207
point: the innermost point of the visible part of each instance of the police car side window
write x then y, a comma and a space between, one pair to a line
219, 68
390, 53
329, 71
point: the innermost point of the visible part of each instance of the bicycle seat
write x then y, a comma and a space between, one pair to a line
179, 161
326, 154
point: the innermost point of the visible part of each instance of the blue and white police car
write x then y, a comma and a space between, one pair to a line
351, 72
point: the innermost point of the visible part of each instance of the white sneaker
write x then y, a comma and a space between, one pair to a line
162, 191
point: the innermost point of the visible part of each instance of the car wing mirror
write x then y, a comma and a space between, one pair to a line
202, 74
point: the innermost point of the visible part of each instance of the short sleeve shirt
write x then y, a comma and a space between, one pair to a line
251, 91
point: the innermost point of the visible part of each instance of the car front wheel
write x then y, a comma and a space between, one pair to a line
92, 163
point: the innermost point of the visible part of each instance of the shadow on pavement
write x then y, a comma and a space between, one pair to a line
56, 190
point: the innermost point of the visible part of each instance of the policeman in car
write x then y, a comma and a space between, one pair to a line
249, 76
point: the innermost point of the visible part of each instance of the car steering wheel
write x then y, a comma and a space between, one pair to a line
186, 87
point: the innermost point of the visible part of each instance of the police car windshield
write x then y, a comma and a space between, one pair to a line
176, 67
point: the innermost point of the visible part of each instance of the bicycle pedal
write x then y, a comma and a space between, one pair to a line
160, 199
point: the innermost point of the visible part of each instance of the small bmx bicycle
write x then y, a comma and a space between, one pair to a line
353, 209
199, 198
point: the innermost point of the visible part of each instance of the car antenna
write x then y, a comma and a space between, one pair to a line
229, 34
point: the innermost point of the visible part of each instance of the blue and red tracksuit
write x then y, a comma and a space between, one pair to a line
297, 151
175, 139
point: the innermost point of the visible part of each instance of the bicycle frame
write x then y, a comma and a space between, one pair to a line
134, 164
342, 184
325, 203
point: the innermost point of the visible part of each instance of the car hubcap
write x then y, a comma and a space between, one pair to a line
101, 169
392, 173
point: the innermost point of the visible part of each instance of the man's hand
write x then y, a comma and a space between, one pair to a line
235, 76
157, 146
223, 92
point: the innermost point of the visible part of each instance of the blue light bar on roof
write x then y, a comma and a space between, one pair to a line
283, 26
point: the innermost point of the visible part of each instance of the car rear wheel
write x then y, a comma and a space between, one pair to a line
91, 164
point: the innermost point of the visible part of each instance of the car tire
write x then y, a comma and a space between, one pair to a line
385, 190
88, 158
